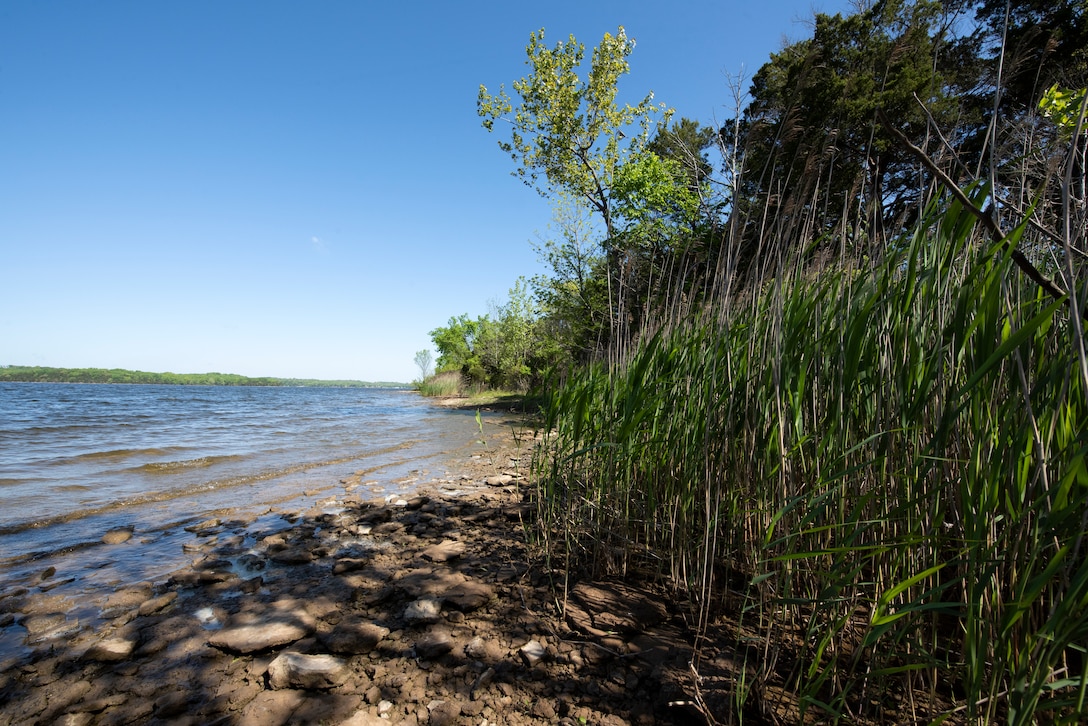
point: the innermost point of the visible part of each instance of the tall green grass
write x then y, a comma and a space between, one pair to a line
446, 383
879, 472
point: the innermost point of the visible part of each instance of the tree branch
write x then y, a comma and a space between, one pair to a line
986, 218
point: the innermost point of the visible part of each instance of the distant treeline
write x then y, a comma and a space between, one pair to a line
40, 374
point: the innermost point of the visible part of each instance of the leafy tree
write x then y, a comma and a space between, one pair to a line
573, 299
686, 142
567, 133
455, 343
814, 153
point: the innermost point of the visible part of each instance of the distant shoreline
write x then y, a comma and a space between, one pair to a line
44, 374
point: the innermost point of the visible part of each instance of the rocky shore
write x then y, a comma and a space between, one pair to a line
433, 609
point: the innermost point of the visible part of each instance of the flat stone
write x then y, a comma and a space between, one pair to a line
204, 527
172, 703
293, 556
606, 607
157, 604
110, 650
43, 623
444, 551
349, 564
469, 595
258, 636
353, 636
117, 535
299, 670
272, 707
498, 480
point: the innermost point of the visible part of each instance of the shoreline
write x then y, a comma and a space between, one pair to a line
428, 609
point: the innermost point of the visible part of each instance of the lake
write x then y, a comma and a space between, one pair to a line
77, 460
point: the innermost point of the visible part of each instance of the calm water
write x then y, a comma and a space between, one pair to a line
78, 460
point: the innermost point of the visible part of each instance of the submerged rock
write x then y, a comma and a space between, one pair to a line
117, 535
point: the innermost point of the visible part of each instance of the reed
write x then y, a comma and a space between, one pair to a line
877, 473
446, 383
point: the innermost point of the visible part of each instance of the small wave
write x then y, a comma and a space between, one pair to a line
112, 455
169, 467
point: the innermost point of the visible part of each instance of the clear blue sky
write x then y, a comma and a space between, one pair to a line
294, 189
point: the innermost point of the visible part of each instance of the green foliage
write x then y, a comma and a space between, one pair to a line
568, 134
573, 300
499, 350
1065, 108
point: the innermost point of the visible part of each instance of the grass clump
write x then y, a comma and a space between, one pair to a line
879, 475
447, 383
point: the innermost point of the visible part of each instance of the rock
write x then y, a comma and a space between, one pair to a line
349, 564
365, 718
468, 596
110, 650
498, 480
117, 535
544, 709
419, 502
532, 653
444, 551
203, 528
425, 610
293, 556
47, 573
271, 707
434, 644
157, 604
604, 608
443, 713
298, 670
47, 586
40, 624
259, 636
125, 600
483, 650
353, 636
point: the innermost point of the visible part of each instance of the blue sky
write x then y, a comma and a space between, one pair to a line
294, 189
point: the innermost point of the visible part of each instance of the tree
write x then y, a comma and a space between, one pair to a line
423, 360
573, 299
455, 343
568, 133
815, 156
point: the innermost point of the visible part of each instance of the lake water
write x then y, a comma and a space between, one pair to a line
78, 460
